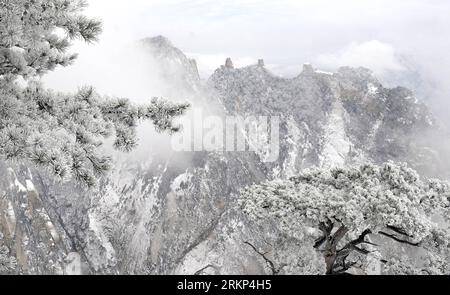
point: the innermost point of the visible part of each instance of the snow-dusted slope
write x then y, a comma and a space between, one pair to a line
176, 212
174, 66
348, 115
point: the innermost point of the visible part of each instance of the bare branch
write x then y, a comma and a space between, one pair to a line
398, 239
198, 272
271, 265
398, 230
360, 250
319, 241
359, 240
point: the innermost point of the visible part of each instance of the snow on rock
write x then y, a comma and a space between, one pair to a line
323, 72
336, 144
29, 185
10, 218
180, 183
16, 183
294, 139
372, 89
163, 216
97, 228
73, 264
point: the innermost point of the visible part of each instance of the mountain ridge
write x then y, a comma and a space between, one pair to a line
177, 213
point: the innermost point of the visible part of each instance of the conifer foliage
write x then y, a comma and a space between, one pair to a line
8, 263
356, 213
61, 131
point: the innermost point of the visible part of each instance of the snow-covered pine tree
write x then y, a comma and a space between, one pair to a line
61, 131
357, 213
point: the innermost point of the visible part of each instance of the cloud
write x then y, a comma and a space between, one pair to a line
285, 33
375, 55
381, 58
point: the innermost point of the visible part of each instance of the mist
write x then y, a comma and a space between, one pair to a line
403, 42
289, 165
394, 39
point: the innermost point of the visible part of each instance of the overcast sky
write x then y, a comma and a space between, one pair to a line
380, 35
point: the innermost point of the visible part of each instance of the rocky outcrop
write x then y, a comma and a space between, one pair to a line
176, 212
229, 63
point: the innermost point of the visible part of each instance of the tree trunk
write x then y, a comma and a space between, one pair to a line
330, 251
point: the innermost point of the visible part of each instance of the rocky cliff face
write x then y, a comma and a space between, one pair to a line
331, 118
176, 213
173, 65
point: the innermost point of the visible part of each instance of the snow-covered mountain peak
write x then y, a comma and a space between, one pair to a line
175, 67
178, 213
159, 40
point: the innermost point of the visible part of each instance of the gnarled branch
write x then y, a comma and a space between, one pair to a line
269, 262
395, 238
398, 230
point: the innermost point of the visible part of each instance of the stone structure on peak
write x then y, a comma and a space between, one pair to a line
307, 69
229, 63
